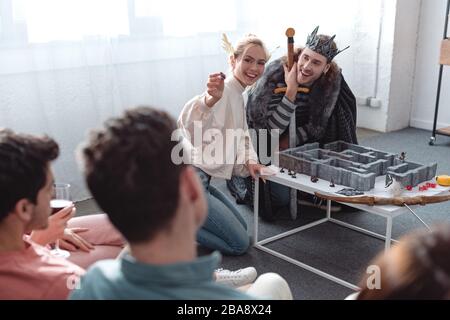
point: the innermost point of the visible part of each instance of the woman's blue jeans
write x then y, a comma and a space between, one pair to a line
224, 229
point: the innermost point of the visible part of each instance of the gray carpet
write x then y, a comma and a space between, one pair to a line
329, 247
337, 250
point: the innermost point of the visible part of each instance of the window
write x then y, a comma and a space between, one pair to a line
56, 20
185, 18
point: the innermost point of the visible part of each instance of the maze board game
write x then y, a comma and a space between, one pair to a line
354, 166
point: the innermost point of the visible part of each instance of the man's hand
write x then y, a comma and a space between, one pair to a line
254, 169
215, 87
290, 77
57, 223
72, 241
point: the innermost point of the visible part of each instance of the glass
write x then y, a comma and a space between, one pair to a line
61, 199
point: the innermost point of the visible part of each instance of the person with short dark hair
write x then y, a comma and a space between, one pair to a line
159, 207
28, 270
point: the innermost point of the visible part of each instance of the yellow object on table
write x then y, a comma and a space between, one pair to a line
443, 180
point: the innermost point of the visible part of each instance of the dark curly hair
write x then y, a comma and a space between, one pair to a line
129, 171
24, 163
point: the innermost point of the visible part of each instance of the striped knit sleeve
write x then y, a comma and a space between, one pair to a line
302, 136
280, 113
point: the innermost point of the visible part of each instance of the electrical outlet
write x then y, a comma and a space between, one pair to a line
368, 102
374, 103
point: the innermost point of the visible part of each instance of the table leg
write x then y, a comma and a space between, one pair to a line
256, 211
293, 203
328, 209
387, 244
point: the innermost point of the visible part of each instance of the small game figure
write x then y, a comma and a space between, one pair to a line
222, 76
314, 179
393, 186
282, 170
388, 181
402, 156
332, 183
293, 175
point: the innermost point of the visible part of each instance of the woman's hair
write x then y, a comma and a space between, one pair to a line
249, 39
417, 268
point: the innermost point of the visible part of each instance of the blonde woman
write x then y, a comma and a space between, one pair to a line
208, 121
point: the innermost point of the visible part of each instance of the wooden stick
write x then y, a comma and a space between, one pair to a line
284, 89
398, 201
290, 32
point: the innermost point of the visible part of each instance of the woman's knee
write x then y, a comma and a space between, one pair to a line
226, 235
238, 245
243, 246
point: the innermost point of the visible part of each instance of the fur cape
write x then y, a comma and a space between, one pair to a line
332, 105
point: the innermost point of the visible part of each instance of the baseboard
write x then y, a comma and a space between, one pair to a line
426, 124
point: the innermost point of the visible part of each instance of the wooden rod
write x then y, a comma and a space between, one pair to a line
290, 32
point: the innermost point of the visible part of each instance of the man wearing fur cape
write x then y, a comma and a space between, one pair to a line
324, 106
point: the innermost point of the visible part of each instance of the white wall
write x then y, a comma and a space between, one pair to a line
400, 24
432, 18
376, 118
403, 64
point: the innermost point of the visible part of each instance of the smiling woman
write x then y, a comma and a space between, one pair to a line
221, 110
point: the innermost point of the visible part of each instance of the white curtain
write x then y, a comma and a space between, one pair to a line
67, 65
